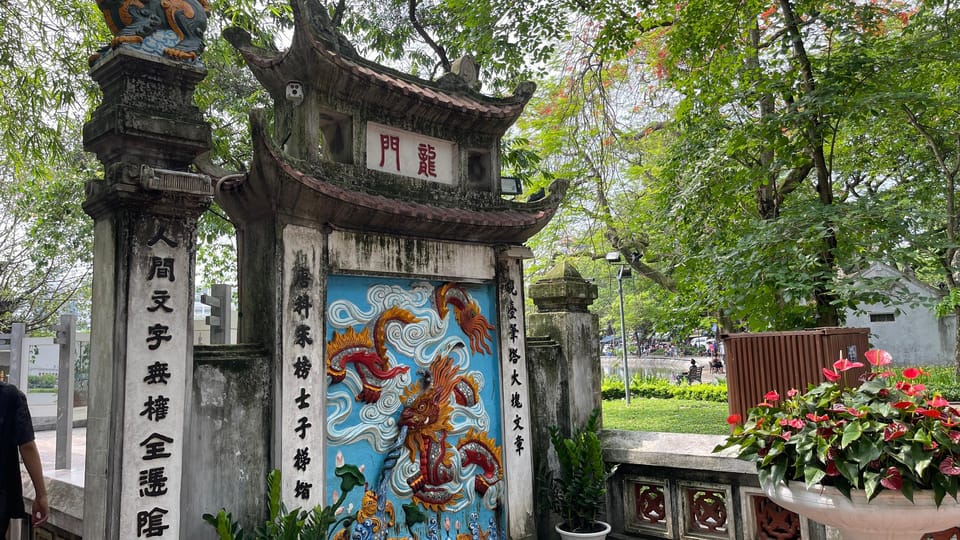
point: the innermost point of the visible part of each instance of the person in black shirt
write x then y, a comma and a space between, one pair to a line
16, 441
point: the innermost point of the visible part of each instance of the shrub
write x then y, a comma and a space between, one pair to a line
612, 388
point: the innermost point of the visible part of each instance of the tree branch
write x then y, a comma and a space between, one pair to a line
440, 52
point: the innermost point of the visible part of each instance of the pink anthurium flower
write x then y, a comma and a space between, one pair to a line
938, 401
892, 479
948, 467
843, 364
878, 357
792, 392
831, 375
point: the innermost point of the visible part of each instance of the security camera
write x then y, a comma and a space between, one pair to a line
613, 256
295, 92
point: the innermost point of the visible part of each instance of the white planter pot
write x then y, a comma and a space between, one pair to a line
889, 516
566, 535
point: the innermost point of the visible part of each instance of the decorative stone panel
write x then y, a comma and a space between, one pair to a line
704, 511
648, 508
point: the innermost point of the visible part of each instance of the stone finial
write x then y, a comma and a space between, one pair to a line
563, 289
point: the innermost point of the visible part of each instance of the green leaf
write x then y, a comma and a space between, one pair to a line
851, 432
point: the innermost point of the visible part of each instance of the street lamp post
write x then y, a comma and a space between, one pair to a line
622, 272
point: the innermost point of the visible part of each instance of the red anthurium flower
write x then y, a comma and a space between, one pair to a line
831, 375
903, 405
764, 404
814, 418
903, 386
843, 364
892, 479
831, 469
792, 392
938, 401
884, 393
931, 447
948, 421
771, 396
954, 436
854, 412
929, 413
894, 431
912, 373
734, 419
878, 357
948, 467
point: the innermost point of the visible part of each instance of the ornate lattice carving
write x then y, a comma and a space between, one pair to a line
650, 504
775, 522
707, 511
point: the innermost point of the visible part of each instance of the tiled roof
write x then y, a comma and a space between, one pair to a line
277, 185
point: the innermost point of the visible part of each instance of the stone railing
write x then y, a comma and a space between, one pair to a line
671, 485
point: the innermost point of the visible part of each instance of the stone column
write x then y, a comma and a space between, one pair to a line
563, 351
146, 133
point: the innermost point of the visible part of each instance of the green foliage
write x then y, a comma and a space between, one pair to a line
296, 524
579, 490
612, 388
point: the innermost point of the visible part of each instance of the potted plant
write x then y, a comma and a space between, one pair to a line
578, 492
875, 461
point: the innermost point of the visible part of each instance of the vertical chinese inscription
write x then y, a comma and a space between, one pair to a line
515, 397
516, 391
301, 460
158, 345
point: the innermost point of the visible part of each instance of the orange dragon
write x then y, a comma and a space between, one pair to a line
427, 422
368, 355
467, 314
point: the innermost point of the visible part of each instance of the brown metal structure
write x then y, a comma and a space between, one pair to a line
759, 362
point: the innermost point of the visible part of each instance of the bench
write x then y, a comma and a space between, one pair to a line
692, 375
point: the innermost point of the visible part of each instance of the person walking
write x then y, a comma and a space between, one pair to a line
16, 442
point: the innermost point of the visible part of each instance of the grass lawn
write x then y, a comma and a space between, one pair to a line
667, 415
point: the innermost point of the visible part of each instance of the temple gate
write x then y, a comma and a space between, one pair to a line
380, 296
383, 267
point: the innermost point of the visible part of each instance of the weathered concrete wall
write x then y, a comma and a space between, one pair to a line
228, 437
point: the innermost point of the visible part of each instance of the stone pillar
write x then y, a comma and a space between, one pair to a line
145, 210
563, 352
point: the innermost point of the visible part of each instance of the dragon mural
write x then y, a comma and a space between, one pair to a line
466, 313
415, 399
427, 419
368, 354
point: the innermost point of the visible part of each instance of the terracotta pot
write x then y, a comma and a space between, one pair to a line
889, 516
566, 535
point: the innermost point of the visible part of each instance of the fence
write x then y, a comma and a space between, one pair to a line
764, 361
